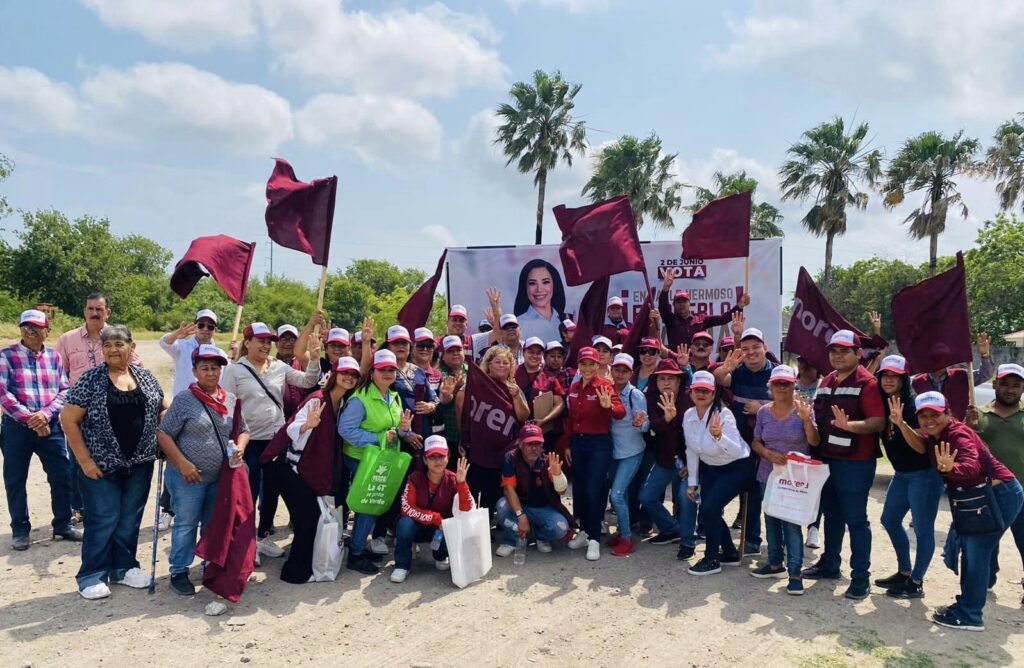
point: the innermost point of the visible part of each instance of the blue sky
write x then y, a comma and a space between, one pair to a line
163, 116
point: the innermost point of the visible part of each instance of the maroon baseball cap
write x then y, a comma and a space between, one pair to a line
667, 367
588, 353
681, 294
703, 334
531, 433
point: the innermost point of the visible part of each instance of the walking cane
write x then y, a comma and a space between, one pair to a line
156, 524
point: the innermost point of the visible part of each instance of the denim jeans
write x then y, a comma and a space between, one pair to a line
18, 443
546, 523
976, 562
785, 541
192, 505
844, 503
591, 459
637, 514
113, 509
362, 525
76, 491
718, 486
409, 531
1017, 529
623, 472
920, 493
652, 501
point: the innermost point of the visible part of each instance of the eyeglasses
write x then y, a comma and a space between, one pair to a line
209, 326
648, 351
31, 329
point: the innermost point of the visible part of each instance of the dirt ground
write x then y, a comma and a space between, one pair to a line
557, 609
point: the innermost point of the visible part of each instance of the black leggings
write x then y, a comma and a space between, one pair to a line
259, 485
485, 483
305, 515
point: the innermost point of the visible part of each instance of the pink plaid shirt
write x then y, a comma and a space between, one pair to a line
31, 382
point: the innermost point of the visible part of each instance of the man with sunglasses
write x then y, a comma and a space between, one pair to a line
180, 343
33, 385
680, 323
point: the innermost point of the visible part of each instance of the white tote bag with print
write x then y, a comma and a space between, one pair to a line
793, 490
327, 550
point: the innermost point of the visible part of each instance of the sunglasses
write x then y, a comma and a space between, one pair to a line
648, 351
206, 325
425, 346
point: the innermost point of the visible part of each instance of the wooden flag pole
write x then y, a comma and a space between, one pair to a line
970, 380
320, 296
234, 329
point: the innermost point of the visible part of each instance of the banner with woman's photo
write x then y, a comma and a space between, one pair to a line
532, 287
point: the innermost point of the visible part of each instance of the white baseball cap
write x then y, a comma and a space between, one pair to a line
383, 359
508, 319
259, 330
451, 341
569, 325
423, 334
614, 301
34, 317
347, 364
894, 364
206, 313
623, 359
398, 333
287, 329
601, 339
844, 338
1005, 370
208, 351
783, 373
458, 310
930, 401
338, 335
484, 322
533, 341
554, 345
435, 445
704, 380
752, 333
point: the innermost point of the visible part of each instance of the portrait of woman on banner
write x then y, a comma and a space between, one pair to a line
540, 300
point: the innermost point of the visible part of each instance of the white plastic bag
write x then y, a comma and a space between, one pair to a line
327, 553
468, 537
793, 491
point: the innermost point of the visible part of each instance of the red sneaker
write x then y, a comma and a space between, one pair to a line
624, 548
614, 540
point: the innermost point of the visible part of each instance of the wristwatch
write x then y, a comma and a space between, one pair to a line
519, 513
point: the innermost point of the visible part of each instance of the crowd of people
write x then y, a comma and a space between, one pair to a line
673, 418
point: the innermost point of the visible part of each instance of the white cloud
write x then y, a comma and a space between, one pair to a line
431, 52
192, 25
571, 6
150, 102
379, 130
965, 56
699, 172
440, 235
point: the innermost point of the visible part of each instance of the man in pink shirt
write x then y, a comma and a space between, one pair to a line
80, 350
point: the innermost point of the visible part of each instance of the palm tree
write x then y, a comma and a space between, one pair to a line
638, 169
929, 162
539, 131
826, 166
764, 218
1005, 161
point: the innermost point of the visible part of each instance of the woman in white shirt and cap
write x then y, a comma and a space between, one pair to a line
717, 460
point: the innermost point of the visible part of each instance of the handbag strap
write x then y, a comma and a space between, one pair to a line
216, 430
262, 384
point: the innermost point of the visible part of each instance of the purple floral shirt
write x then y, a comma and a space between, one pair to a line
782, 436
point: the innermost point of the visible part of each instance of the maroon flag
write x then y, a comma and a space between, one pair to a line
638, 329
489, 425
590, 317
416, 311
719, 229
225, 258
813, 323
598, 240
300, 215
933, 325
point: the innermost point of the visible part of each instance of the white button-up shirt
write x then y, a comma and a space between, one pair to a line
701, 447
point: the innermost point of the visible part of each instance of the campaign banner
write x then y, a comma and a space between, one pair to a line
532, 285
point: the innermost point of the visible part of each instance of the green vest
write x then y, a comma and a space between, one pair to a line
380, 417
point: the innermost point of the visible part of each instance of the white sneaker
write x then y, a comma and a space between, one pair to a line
135, 579
593, 550
505, 550
96, 591
813, 538
378, 546
543, 546
165, 521
267, 548
399, 575
578, 541
257, 557
442, 564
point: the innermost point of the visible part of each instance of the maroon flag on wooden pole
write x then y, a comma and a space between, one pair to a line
489, 424
225, 258
639, 328
813, 323
598, 240
589, 318
932, 322
300, 215
720, 229
416, 310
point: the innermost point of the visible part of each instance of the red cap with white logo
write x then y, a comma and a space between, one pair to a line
385, 359
347, 365
844, 338
34, 317
339, 335
783, 373
458, 311
894, 364
930, 401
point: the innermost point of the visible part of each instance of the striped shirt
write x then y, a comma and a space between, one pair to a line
31, 382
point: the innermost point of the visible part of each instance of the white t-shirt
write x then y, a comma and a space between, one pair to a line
181, 352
